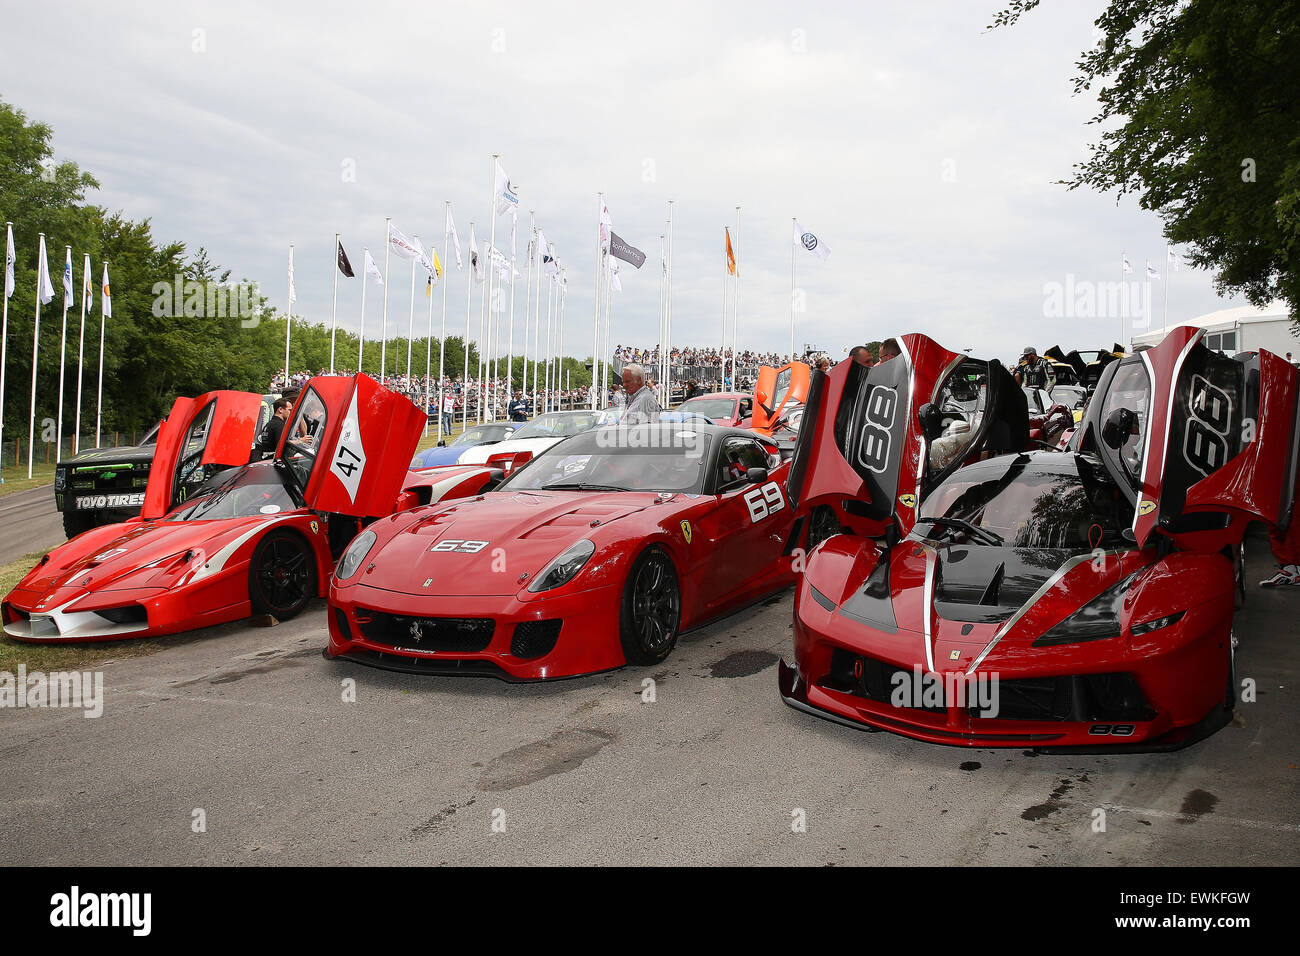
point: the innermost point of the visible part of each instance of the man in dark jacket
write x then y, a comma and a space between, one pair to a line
270, 439
518, 408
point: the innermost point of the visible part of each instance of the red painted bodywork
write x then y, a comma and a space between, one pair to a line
233, 430
188, 574
737, 418
1181, 575
729, 560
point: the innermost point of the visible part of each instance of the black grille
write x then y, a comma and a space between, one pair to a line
872, 679
464, 634
534, 638
341, 622
1079, 697
130, 614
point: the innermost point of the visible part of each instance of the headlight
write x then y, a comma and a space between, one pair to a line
354, 555
563, 569
1095, 621
60, 479
1146, 627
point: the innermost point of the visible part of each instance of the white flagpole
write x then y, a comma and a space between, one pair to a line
561, 296
722, 346
510, 339
550, 295
609, 319
81, 350
464, 375
666, 380
4, 347
99, 391
1123, 296
528, 292
334, 308
63, 352
288, 325
410, 321
428, 339
491, 270
663, 283
792, 289
484, 254
383, 348
537, 326
36, 342
735, 305
595, 327
442, 340
361, 329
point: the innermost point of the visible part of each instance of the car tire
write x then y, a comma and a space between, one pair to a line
651, 609
281, 575
77, 522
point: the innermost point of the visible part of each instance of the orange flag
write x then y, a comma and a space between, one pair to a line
731, 255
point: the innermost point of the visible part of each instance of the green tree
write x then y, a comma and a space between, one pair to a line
1200, 100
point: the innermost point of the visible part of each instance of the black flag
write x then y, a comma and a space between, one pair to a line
344, 266
621, 250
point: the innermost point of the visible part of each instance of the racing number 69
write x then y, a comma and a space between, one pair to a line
763, 501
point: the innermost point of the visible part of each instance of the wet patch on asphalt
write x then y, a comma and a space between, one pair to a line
561, 752
1053, 803
742, 664
1196, 804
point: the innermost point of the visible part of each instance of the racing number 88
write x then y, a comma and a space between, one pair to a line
1205, 444
763, 501
873, 451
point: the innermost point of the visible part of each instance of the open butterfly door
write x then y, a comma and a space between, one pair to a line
776, 390
875, 441
348, 445
215, 430
1199, 441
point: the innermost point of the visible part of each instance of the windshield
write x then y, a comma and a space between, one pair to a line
1030, 505
557, 425
607, 460
485, 433
1131, 389
709, 407
303, 436
1069, 395
238, 493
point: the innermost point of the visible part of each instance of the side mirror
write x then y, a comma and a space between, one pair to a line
755, 475
1120, 425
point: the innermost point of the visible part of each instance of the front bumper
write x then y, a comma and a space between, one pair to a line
1174, 698
587, 641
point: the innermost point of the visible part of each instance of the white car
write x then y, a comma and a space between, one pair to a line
532, 439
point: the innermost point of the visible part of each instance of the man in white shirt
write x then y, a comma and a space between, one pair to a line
448, 411
642, 406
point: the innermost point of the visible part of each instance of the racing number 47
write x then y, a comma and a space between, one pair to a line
347, 467
763, 501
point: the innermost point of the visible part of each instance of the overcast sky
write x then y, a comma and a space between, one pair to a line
921, 149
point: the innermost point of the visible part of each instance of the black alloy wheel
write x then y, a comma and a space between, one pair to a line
281, 575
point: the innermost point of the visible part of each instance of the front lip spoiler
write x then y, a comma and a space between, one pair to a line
444, 667
1177, 739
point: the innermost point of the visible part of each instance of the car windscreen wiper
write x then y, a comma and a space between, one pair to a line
974, 530
580, 486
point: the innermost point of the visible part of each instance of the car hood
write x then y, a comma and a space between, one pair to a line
138, 554
445, 455
487, 544
479, 454
111, 456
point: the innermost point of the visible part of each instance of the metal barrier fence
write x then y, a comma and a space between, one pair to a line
13, 452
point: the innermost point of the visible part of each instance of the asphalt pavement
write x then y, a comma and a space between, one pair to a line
250, 725
29, 522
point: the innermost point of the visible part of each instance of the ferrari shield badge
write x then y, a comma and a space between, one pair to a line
315, 527
907, 501
1146, 506
686, 531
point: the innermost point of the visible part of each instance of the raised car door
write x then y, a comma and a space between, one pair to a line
874, 441
1199, 441
777, 387
348, 444
200, 435
752, 518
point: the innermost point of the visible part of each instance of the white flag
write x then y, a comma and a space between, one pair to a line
507, 198
423, 258
372, 270
475, 260
1127, 267
606, 221
455, 239
87, 289
615, 283
44, 287
293, 291
403, 248
1151, 271
540, 249
9, 262
1172, 257
810, 242
106, 297
67, 279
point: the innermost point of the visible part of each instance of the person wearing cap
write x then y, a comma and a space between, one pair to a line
1033, 371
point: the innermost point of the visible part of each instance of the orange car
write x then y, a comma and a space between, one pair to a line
779, 397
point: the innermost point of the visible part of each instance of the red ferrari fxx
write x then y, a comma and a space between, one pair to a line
219, 538
1052, 600
597, 553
